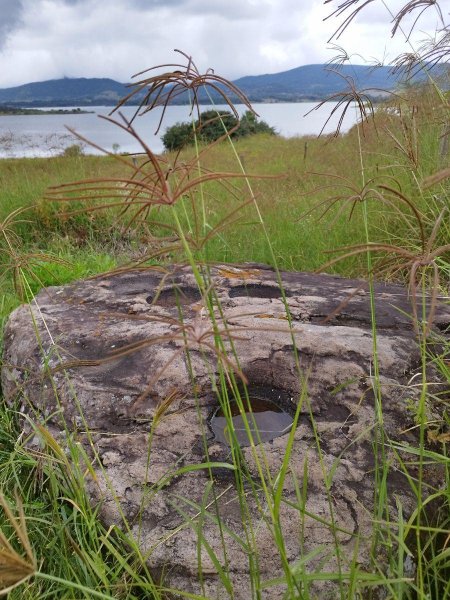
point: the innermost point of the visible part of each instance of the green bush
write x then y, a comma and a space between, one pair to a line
178, 136
250, 125
73, 151
211, 126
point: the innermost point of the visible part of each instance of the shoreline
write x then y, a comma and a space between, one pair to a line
10, 111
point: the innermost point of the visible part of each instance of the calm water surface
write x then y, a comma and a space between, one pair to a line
47, 135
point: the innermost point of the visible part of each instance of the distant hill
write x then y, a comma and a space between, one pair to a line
310, 82
315, 82
65, 92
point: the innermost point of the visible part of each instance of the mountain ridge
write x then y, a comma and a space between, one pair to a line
68, 91
308, 82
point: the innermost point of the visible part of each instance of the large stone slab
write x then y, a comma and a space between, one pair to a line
111, 351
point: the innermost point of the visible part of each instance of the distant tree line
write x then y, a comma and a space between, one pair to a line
211, 126
13, 110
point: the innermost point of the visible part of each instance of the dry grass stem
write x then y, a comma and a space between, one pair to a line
345, 100
411, 7
341, 9
417, 263
161, 89
14, 568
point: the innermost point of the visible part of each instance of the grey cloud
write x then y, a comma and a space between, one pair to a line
146, 4
139, 4
229, 9
11, 14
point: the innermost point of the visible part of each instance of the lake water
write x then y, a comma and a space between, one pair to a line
47, 135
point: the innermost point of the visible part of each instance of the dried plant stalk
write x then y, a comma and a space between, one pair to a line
15, 569
161, 89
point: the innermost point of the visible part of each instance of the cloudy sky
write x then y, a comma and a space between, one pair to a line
48, 39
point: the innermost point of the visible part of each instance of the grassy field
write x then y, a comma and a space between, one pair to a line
380, 189
297, 175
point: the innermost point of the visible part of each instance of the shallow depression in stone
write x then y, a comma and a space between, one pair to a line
266, 420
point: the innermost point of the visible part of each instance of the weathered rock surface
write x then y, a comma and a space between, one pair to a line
115, 348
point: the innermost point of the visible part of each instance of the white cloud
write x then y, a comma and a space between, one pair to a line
53, 38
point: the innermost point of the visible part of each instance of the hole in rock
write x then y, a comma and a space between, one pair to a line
255, 290
265, 418
176, 296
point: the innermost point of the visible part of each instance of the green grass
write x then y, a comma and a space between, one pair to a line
299, 242
283, 225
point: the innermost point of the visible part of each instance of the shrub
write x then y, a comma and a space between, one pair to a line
73, 151
211, 126
178, 136
250, 125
